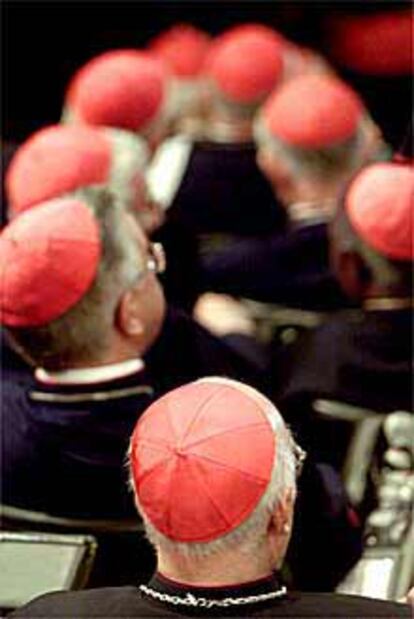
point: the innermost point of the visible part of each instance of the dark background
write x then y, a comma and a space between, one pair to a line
45, 42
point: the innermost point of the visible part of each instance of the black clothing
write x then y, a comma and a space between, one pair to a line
10, 361
223, 190
290, 268
181, 278
185, 351
366, 359
131, 602
324, 526
360, 358
63, 450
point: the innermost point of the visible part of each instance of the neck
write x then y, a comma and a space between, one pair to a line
214, 571
90, 374
224, 128
314, 193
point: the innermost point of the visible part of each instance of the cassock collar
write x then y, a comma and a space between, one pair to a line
213, 599
92, 375
117, 381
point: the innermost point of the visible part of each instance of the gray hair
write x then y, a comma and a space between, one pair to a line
251, 532
130, 156
332, 161
82, 333
230, 108
385, 272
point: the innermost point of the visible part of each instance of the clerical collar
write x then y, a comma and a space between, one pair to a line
177, 594
90, 376
310, 213
387, 303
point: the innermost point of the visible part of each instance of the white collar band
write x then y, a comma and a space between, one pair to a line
87, 376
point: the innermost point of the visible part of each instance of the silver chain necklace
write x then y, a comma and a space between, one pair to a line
201, 602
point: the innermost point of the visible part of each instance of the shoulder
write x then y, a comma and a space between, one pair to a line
329, 345
105, 602
336, 605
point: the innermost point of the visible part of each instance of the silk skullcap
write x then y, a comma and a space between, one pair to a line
246, 63
313, 111
124, 89
201, 459
57, 160
380, 207
183, 48
49, 257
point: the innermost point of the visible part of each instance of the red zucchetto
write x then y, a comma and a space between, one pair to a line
183, 48
49, 257
56, 160
246, 63
313, 111
191, 459
123, 89
380, 207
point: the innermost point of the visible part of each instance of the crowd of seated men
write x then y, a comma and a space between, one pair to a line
183, 179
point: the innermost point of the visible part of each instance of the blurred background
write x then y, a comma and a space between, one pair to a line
45, 42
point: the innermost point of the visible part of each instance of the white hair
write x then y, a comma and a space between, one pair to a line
252, 531
342, 158
82, 333
130, 156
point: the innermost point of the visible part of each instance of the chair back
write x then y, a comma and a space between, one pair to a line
33, 563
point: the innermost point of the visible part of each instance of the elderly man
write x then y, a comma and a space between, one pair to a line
312, 134
80, 299
59, 159
216, 492
366, 356
123, 88
211, 180
131, 90
183, 48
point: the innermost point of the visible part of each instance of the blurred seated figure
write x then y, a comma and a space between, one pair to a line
183, 48
217, 494
211, 180
312, 135
80, 300
62, 158
124, 89
59, 159
131, 90
363, 357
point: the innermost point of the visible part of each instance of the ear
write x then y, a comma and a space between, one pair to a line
280, 527
352, 273
128, 318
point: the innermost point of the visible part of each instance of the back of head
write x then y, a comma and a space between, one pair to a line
124, 89
374, 224
183, 48
63, 268
318, 127
209, 463
243, 66
60, 159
